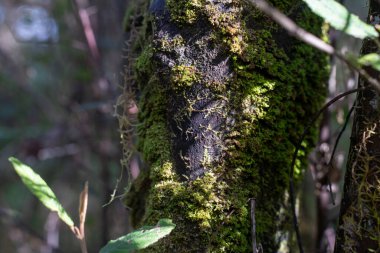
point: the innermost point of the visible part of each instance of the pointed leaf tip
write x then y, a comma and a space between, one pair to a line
40, 189
341, 19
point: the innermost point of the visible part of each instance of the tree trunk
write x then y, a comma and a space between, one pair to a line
223, 96
359, 220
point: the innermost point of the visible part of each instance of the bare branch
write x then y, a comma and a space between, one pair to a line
84, 17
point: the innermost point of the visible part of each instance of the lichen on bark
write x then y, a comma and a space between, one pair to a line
359, 218
224, 94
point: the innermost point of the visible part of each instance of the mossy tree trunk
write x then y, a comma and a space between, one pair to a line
359, 219
223, 95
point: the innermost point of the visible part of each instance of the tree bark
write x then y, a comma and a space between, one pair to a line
359, 219
223, 96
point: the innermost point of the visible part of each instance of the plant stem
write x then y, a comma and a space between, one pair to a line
83, 245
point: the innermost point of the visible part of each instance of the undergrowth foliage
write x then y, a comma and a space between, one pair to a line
139, 239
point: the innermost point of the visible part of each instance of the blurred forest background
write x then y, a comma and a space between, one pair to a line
60, 76
60, 72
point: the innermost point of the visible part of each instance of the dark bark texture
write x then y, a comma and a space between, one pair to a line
359, 220
223, 95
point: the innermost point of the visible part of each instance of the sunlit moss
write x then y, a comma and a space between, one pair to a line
183, 76
269, 98
184, 11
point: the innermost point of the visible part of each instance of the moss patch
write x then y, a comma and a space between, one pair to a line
183, 76
184, 11
224, 96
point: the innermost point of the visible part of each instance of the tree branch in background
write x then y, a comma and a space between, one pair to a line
87, 28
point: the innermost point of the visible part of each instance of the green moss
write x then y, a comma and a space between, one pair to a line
183, 76
270, 97
184, 11
143, 62
167, 44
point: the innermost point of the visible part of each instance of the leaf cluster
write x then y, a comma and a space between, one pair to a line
136, 240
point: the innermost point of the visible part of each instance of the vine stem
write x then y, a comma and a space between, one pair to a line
83, 245
329, 165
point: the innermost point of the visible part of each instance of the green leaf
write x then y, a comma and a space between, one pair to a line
341, 19
140, 238
40, 189
372, 60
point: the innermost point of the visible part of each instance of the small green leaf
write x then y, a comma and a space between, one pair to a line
40, 189
372, 60
140, 238
341, 19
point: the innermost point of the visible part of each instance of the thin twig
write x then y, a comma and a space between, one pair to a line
84, 17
